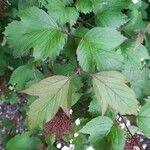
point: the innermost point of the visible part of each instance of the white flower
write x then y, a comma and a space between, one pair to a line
3, 130
10, 68
120, 119
59, 145
11, 88
136, 148
71, 140
4, 42
139, 108
135, 1
71, 111
17, 131
76, 134
122, 125
144, 146
77, 122
117, 117
141, 139
141, 59
90, 148
8, 2
128, 123
7, 116
72, 146
104, 3
140, 133
66, 148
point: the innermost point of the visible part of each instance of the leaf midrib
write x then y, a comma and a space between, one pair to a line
53, 97
112, 91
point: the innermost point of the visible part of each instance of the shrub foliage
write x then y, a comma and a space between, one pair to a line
74, 74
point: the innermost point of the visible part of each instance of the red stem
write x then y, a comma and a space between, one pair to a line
141, 148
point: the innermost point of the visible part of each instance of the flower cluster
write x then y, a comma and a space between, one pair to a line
59, 125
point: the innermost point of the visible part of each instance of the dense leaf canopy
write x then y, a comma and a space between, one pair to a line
74, 74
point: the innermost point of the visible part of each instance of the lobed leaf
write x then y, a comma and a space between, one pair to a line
111, 90
36, 30
53, 92
97, 128
62, 13
109, 13
96, 49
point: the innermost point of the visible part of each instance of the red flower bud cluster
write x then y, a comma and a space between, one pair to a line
59, 125
133, 142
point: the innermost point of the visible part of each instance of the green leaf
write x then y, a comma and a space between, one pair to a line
132, 63
23, 75
76, 86
96, 49
61, 13
135, 24
67, 2
23, 4
80, 142
53, 92
133, 129
143, 119
103, 144
75, 97
94, 106
80, 32
97, 128
141, 86
84, 6
36, 30
109, 14
42, 2
24, 142
117, 138
87, 6
63, 69
111, 90
112, 18
112, 5
50, 139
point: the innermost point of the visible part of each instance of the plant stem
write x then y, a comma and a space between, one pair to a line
86, 23
130, 132
71, 35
